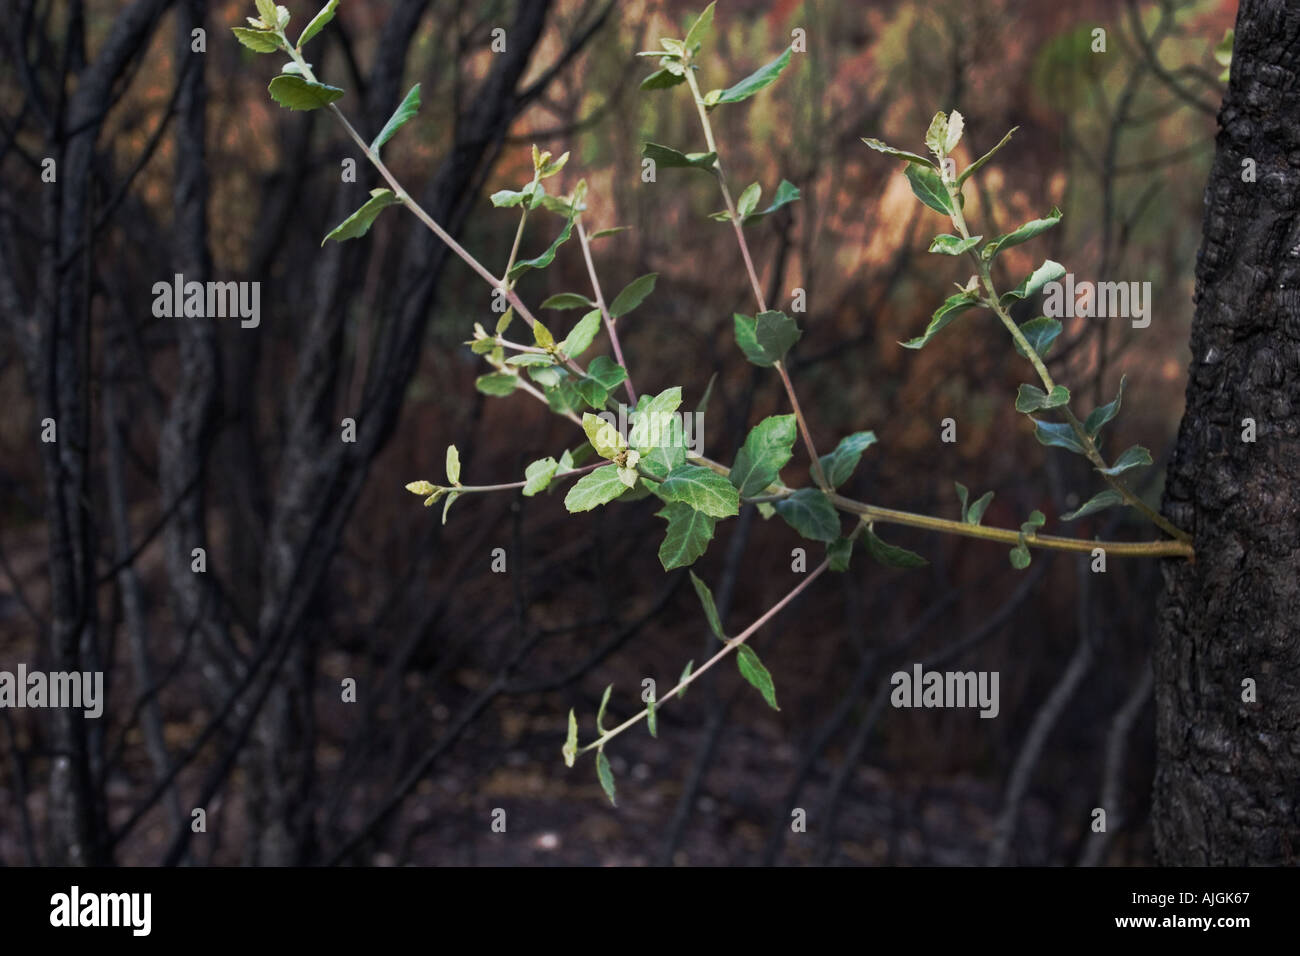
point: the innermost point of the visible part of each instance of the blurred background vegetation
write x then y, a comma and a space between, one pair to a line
466, 677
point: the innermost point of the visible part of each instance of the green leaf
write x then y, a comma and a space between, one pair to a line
937, 133
651, 721
526, 358
979, 163
1101, 416
446, 505
811, 514
973, 513
650, 421
1020, 555
1040, 333
839, 465
318, 22
1035, 521
1223, 54
776, 332
605, 775
569, 300
643, 489
497, 384
686, 672
695, 35
604, 437
1049, 271
633, 295
505, 198
881, 147
786, 193
600, 714
563, 208
669, 158
607, 232
570, 748
607, 372
666, 452
545, 259
582, 334
260, 41
952, 135
703, 407
662, 80
1106, 499
1026, 232
552, 167
1135, 457
838, 552
952, 307
760, 79
267, 11
409, 106
538, 476
594, 489
710, 608
1223, 49
952, 245
1030, 398
453, 465
747, 339
978, 507
963, 493
592, 392
542, 336
767, 448
548, 376
1060, 435
296, 93
752, 669
701, 488
891, 555
688, 536
929, 188
359, 223
748, 200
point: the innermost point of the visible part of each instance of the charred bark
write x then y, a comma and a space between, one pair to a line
1228, 764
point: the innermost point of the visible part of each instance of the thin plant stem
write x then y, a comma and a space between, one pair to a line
600, 304
728, 647
512, 485
818, 475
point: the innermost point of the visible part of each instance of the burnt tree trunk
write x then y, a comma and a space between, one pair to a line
1228, 767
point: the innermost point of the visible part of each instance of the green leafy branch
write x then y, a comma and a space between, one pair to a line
935, 185
751, 668
651, 458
